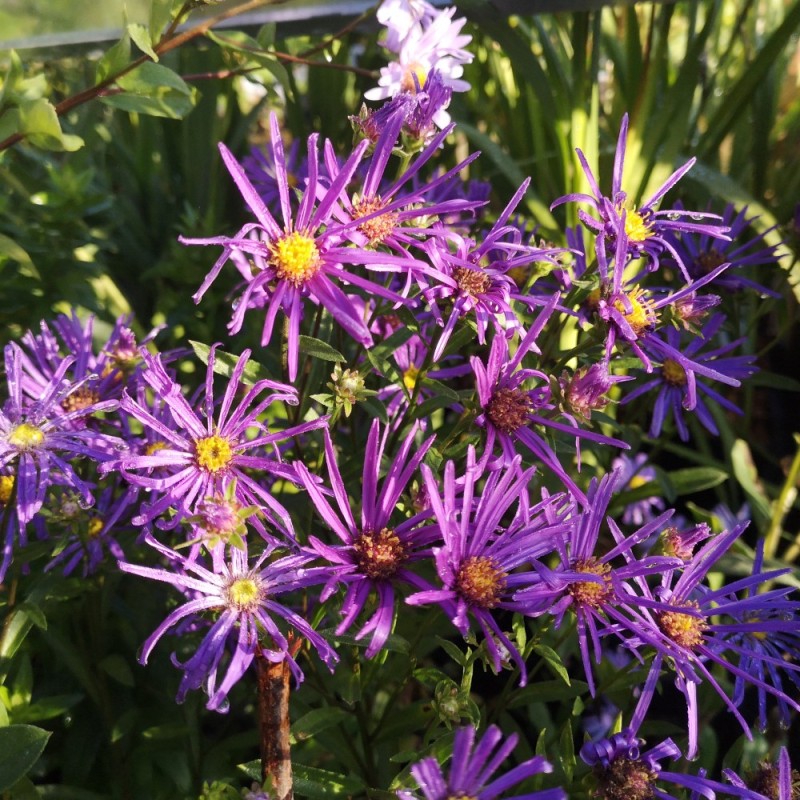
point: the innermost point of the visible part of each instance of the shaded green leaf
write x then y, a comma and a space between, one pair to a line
225, 364
313, 782
39, 122
553, 660
20, 748
141, 38
319, 719
155, 90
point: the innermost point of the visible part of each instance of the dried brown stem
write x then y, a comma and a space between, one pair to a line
273, 720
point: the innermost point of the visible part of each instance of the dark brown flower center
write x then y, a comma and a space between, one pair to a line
481, 581
673, 373
766, 781
380, 227
379, 553
508, 409
708, 261
625, 779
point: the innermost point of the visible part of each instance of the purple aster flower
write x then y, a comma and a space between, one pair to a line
586, 580
265, 176
690, 625
621, 770
245, 597
200, 456
375, 551
646, 231
770, 781
484, 564
508, 410
92, 534
679, 389
770, 654
282, 266
38, 438
395, 215
632, 474
472, 768
474, 276
104, 371
702, 253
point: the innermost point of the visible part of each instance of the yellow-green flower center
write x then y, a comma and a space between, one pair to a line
637, 229
638, 481
685, 630
26, 437
213, 453
244, 594
295, 258
481, 581
673, 373
6, 488
95, 526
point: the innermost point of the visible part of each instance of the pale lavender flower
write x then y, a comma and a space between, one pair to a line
243, 597
472, 768
375, 552
632, 474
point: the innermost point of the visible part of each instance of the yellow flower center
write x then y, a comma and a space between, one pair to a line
673, 373
213, 453
642, 315
636, 228
295, 258
481, 581
26, 437
410, 377
6, 487
685, 630
244, 594
414, 68
95, 526
154, 447
638, 480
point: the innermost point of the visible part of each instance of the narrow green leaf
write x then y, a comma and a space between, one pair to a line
160, 16
317, 720
553, 661
567, 751
20, 748
745, 471
10, 249
225, 364
118, 668
547, 691
696, 479
316, 348
319, 783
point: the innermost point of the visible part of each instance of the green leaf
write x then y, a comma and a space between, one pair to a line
317, 720
745, 471
40, 124
9, 123
48, 708
20, 748
696, 479
118, 668
141, 37
320, 783
225, 364
566, 753
316, 348
114, 60
546, 692
10, 249
553, 661
160, 16
252, 769
154, 90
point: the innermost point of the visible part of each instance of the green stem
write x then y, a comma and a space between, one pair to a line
782, 505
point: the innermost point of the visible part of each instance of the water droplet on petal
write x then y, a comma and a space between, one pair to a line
696, 217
